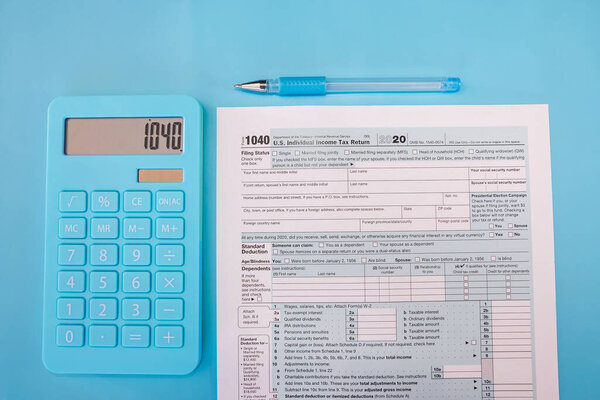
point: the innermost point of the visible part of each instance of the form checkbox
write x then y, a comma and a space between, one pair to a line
508, 296
287, 260
414, 152
507, 290
510, 225
375, 244
491, 226
321, 244
363, 260
346, 152
466, 290
417, 259
275, 251
466, 284
507, 283
465, 278
297, 153
510, 234
473, 342
274, 153
491, 234
466, 297
471, 151
493, 258
508, 277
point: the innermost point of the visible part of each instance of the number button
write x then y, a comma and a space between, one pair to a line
169, 282
104, 228
103, 282
70, 308
72, 201
103, 254
169, 254
169, 228
136, 254
136, 309
168, 336
103, 308
71, 281
69, 335
71, 228
169, 309
105, 201
136, 282
103, 336
136, 228
136, 201
71, 254
169, 201
135, 336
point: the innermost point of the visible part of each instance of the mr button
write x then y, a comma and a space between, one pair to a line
169, 201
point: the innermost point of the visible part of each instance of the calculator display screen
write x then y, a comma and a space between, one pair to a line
124, 136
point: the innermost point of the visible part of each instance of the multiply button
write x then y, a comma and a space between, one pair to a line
105, 201
169, 201
134, 201
72, 201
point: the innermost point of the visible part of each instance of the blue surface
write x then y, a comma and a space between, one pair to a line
514, 51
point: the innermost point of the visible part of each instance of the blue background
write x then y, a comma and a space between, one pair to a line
511, 51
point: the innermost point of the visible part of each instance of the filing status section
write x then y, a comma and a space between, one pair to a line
385, 263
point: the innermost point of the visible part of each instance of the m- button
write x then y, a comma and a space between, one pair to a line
169, 201
136, 201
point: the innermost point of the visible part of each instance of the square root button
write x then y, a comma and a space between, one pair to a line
169, 201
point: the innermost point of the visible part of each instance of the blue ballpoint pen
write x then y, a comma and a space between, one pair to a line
320, 85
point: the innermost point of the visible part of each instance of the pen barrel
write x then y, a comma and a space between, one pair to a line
382, 85
298, 86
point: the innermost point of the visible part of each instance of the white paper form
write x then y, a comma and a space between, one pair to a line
385, 252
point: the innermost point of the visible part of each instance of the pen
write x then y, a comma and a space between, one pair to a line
320, 85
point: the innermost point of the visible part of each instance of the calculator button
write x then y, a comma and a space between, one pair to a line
70, 308
103, 308
169, 254
136, 228
104, 228
169, 282
168, 309
71, 281
69, 335
72, 201
104, 254
103, 281
136, 309
169, 201
135, 336
71, 254
168, 336
103, 336
71, 228
105, 201
169, 228
136, 282
134, 201
136, 254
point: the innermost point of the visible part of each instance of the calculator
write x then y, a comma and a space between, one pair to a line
123, 245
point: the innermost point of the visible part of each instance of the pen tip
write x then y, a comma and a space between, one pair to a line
237, 85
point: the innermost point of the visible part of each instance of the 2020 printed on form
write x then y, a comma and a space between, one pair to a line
385, 252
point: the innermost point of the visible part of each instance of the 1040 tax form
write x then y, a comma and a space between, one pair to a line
385, 252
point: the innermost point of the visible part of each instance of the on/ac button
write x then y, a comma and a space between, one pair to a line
169, 201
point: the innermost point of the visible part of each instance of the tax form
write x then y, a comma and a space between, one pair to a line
385, 252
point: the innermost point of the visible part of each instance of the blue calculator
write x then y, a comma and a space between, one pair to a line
123, 235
